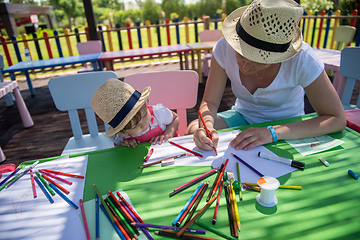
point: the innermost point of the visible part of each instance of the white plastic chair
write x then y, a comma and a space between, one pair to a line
208, 36
349, 67
93, 46
174, 89
343, 36
74, 92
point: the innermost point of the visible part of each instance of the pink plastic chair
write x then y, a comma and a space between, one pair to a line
88, 47
208, 36
174, 89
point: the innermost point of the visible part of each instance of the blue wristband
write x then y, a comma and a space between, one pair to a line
273, 133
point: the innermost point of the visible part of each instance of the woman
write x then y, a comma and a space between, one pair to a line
269, 67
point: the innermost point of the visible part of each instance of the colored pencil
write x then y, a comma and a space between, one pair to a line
198, 200
33, 183
191, 230
65, 198
120, 207
206, 129
233, 211
130, 208
97, 220
248, 165
45, 183
113, 224
238, 175
236, 210
281, 186
62, 173
56, 177
148, 155
220, 177
20, 175
9, 182
56, 184
217, 232
8, 177
173, 234
120, 218
84, 219
196, 216
192, 182
159, 161
217, 203
216, 178
176, 221
228, 204
126, 235
43, 189
187, 204
207, 174
103, 203
186, 149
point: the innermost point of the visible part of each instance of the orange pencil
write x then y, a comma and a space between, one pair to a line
220, 177
206, 129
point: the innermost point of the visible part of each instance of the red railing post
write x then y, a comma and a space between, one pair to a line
127, 25
6, 51
167, 22
320, 28
47, 42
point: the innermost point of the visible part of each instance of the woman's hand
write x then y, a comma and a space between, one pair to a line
202, 141
251, 137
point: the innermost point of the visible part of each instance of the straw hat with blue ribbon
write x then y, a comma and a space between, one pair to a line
116, 103
266, 31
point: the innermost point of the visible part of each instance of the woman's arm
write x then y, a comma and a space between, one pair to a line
326, 103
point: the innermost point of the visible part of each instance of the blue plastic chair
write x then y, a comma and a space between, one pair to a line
74, 92
350, 68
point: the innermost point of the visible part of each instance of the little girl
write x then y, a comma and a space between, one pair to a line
131, 120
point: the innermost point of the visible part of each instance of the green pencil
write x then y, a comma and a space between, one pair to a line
238, 175
211, 229
104, 204
9, 181
45, 183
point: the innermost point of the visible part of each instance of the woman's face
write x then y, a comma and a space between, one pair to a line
249, 67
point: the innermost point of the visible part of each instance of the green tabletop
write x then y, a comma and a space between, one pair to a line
327, 207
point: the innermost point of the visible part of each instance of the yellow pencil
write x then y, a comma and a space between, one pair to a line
235, 206
238, 175
281, 186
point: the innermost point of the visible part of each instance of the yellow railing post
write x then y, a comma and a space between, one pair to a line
308, 26
148, 24
187, 37
336, 23
26, 43
67, 38
108, 27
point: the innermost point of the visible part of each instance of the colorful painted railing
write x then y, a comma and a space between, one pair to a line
166, 34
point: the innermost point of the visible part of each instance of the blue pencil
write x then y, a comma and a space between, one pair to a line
8, 177
186, 205
63, 196
47, 195
113, 224
97, 229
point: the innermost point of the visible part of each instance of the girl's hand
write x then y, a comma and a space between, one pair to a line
130, 143
202, 141
160, 139
251, 137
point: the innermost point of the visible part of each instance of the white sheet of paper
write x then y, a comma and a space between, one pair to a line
106, 229
307, 146
264, 166
23, 216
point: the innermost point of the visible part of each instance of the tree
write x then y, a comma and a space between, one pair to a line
151, 11
72, 9
173, 6
317, 5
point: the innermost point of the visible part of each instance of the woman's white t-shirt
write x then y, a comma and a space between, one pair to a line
284, 97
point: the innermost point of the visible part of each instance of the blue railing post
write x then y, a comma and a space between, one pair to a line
176, 20
158, 32
216, 23
139, 34
196, 30
119, 36
57, 40
16, 48
102, 38
327, 29
303, 26
77, 36
37, 46
314, 28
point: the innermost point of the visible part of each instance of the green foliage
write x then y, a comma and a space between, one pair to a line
174, 6
317, 5
120, 17
151, 11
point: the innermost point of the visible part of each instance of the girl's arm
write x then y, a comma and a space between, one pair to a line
170, 130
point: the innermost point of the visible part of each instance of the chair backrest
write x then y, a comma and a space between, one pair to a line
73, 92
210, 35
343, 36
1, 67
174, 89
93, 46
349, 67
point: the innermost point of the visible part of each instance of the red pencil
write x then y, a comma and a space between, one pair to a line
56, 177
64, 174
220, 177
206, 129
217, 203
186, 149
131, 209
57, 185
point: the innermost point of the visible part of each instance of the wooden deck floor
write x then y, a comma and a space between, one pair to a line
51, 129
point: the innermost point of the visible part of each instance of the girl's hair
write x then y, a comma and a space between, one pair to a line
136, 119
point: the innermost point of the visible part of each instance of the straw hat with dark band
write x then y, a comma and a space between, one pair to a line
266, 31
116, 103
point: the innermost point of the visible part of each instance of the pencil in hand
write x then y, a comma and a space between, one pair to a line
206, 129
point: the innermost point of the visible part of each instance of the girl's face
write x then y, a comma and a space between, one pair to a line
142, 125
249, 67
